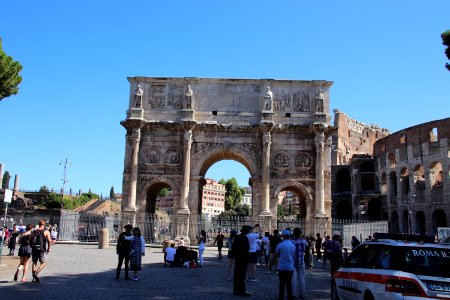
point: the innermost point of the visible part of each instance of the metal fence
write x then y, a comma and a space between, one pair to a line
74, 226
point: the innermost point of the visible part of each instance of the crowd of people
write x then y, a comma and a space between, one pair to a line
34, 242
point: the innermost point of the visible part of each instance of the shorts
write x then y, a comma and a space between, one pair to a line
39, 256
25, 251
252, 258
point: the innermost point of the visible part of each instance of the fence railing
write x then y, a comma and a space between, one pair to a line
74, 226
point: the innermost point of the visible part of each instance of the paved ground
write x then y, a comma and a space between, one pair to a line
86, 272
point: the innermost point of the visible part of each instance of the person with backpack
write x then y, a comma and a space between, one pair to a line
40, 242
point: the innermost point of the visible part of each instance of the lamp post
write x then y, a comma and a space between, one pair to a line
66, 164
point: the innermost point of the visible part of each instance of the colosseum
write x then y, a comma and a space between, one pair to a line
402, 177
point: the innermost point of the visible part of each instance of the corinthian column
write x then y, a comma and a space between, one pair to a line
135, 140
320, 186
184, 208
265, 184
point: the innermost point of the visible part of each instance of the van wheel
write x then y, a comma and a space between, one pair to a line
334, 293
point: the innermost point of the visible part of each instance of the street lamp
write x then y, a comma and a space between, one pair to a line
66, 164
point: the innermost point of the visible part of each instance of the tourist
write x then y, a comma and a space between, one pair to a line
123, 250
355, 242
285, 254
137, 251
299, 264
24, 252
253, 256
169, 255
335, 254
318, 246
241, 248
53, 235
326, 246
275, 239
219, 241
266, 247
40, 247
230, 255
201, 240
6, 235
13, 240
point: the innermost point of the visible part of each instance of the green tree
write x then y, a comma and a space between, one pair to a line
281, 212
242, 209
5, 180
44, 189
233, 194
446, 41
112, 194
9, 75
164, 192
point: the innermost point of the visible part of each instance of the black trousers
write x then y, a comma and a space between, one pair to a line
285, 282
122, 257
240, 270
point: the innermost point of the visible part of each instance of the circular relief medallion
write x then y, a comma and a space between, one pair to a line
151, 156
172, 157
303, 161
281, 160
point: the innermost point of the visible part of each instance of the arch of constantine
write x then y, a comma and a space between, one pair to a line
177, 128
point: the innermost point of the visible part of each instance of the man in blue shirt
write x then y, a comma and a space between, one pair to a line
285, 254
299, 263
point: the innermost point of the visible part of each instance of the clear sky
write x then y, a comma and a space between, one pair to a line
385, 57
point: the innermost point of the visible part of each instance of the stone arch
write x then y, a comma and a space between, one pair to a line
436, 178
384, 186
439, 219
367, 176
393, 184
419, 178
150, 190
404, 181
204, 160
392, 160
406, 221
344, 210
343, 181
394, 222
374, 209
420, 222
300, 190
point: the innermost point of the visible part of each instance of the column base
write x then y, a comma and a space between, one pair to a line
182, 225
320, 214
265, 213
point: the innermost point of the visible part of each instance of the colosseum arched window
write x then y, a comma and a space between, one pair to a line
393, 184
384, 186
419, 178
436, 176
404, 181
391, 159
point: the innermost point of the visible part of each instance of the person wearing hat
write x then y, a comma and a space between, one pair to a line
123, 250
285, 253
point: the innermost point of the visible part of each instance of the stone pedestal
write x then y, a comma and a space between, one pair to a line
266, 116
103, 238
322, 225
129, 217
266, 223
182, 226
187, 114
136, 113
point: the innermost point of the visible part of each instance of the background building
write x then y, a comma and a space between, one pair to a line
213, 198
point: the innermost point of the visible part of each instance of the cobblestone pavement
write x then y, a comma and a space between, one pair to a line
86, 272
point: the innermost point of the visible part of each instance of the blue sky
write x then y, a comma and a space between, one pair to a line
386, 59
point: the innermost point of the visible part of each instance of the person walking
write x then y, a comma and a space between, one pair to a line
40, 242
318, 246
253, 256
355, 242
24, 252
300, 245
137, 251
326, 246
266, 247
285, 254
335, 254
219, 240
230, 255
53, 235
123, 250
201, 240
13, 240
240, 249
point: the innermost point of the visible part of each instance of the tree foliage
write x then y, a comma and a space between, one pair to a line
233, 195
44, 189
112, 194
5, 180
446, 41
9, 75
164, 192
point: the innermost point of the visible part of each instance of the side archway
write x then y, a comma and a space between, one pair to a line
150, 192
298, 188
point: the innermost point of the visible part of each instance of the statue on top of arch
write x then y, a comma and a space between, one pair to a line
319, 101
268, 99
188, 97
138, 96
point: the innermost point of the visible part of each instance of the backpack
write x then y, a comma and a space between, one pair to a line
38, 240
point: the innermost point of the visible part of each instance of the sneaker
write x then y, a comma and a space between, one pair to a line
135, 278
254, 280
